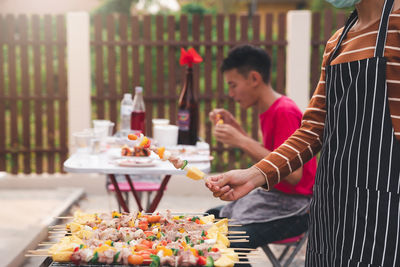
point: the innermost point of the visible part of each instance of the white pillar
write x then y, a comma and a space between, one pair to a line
298, 56
78, 53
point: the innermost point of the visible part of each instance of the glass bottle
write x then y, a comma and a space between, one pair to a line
138, 113
188, 112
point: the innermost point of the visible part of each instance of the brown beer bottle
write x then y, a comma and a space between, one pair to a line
188, 112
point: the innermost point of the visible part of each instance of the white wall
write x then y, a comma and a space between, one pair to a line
79, 78
298, 56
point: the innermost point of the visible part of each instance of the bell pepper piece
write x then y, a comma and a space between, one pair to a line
185, 162
116, 256
95, 257
209, 262
202, 261
155, 261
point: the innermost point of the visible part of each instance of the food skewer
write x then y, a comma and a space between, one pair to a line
236, 232
243, 254
37, 255
191, 171
215, 235
235, 262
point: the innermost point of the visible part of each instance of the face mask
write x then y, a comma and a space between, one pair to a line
343, 3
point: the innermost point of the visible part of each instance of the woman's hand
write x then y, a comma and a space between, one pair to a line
235, 184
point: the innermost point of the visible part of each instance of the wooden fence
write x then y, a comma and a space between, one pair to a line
127, 52
33, 94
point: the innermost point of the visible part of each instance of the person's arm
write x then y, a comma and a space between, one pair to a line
304, 144
287, 120
257, 152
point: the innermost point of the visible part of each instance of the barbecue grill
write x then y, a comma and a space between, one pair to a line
48, 262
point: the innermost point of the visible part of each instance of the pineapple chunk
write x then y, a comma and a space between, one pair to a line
84, 234
74, 227
208, 219
230, 253
224, 261
67, 243
62, 256
223, 239
222, 222
83, 218
195, 174
222, 225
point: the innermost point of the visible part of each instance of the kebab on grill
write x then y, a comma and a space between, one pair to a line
145, 239
191, 171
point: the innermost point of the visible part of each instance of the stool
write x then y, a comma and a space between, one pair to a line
140, 187
296, 242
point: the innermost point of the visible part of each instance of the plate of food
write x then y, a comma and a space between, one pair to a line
135, 162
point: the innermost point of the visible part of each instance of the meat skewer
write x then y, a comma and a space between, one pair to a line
184, 240
191, 171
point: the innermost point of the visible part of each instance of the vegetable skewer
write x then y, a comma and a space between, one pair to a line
191, 171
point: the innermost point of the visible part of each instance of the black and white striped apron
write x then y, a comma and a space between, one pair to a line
355, 209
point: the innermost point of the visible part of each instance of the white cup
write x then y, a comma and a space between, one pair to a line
82, 139
166, 135
160, 122
103, 127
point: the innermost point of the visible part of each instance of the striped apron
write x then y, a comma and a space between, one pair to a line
354, 219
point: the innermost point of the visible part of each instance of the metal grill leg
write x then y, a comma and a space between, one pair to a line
283, 254
296, 249
271, 256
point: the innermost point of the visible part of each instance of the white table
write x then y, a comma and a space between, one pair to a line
105, 163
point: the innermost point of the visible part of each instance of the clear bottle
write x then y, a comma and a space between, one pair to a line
126, 111
138, 113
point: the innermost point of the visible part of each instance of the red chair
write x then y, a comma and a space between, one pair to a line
296, 242
140, 187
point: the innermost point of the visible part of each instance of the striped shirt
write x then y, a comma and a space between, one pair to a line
306, 142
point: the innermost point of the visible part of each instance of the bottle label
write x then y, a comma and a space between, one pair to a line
183, 120
126, 110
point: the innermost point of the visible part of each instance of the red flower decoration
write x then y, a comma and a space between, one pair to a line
189, 57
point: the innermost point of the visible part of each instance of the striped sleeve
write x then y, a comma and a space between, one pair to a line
305, 142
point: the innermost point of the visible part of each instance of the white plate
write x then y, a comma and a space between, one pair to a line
135, 162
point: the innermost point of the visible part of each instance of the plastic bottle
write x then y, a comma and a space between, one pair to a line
126, 111
138, 113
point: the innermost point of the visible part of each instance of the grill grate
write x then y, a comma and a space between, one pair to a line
48, 262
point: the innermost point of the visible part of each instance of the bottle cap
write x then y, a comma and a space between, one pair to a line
127, 96
138, 89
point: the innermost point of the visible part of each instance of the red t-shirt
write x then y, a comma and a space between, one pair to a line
277, 124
